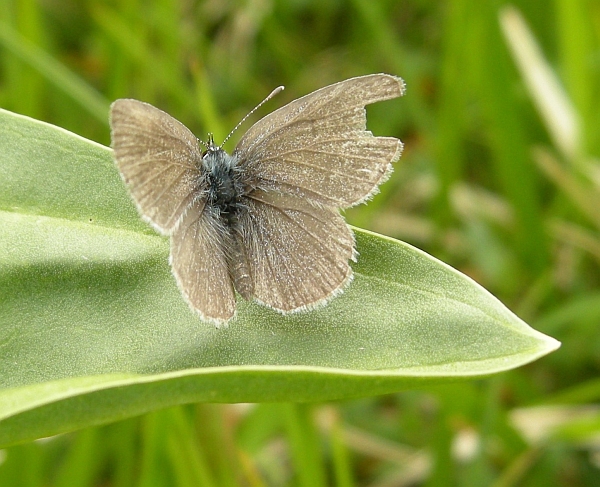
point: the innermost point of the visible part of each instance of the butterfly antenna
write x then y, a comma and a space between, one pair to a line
205, 144
277, 90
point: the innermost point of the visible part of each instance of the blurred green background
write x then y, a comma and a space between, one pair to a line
499, 178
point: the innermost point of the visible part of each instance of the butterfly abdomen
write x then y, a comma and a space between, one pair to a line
226, 191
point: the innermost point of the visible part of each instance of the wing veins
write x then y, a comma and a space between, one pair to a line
167, 188
339, 202
299, 225
160, 173
268, 261
325, 169
273, 205
310, 108
146, 160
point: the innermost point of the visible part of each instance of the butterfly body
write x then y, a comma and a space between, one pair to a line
264, 221
226, 190
224, 182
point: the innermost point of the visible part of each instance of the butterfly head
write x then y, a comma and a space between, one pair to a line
210, 146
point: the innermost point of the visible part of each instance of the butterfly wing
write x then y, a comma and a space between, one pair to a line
318, 147
297, 253
157, 157
200, 265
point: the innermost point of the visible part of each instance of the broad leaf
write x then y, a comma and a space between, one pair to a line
93, 328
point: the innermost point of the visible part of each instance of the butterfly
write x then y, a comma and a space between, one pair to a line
264, 221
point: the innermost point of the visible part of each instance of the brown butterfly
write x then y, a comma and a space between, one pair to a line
264, 221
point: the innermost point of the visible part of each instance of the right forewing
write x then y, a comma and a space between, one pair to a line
317, 147
157, 157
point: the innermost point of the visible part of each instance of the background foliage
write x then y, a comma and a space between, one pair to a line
499, 179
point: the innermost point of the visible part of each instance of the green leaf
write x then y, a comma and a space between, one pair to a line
93, 328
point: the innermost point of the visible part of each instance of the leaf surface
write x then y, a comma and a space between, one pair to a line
93, 328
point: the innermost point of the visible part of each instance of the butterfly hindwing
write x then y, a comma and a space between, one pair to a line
199, 263
297, 253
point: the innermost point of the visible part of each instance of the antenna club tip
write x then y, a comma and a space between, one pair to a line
277, 90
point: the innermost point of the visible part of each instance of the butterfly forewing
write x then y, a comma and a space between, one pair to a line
318, 147
297, 253
157, 157
200, 266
